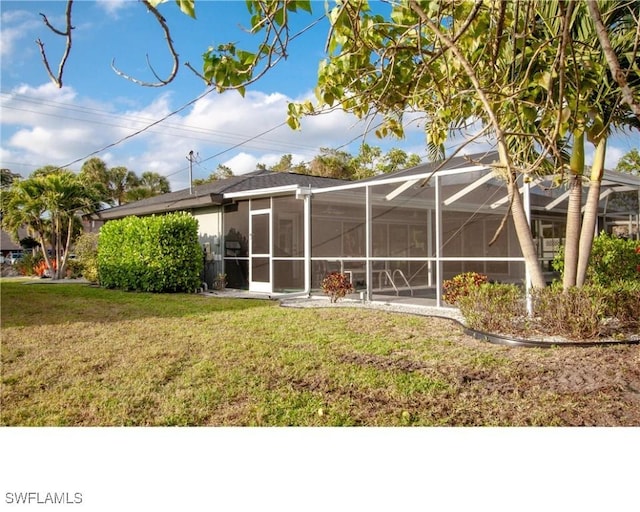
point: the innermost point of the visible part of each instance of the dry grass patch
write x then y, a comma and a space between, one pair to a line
77, 355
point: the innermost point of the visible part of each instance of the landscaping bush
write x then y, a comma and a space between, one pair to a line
461, 285
73, 270
86, 250
575, 313
613, 260
29, 264
494, 307
623, 304
585, 313
153, 254
336, 285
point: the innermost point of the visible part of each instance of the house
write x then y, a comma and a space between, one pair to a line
398, 234
8, 245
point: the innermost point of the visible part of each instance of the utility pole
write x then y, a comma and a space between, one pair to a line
190, 158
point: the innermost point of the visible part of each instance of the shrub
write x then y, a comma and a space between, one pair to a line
28, 265
575, 313
612, 260
623, 304
336, 285
461, 285
153, 254
73, 269
494, 307
86, 250
41, 268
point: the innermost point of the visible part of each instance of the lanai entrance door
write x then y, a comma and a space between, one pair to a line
260, 248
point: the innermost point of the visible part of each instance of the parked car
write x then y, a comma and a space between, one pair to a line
14, 257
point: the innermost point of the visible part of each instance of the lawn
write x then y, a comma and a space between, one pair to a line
73, 354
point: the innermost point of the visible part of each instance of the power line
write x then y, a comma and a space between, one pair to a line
138, 119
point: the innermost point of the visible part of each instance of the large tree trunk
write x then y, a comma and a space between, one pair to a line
590, 218
58, 235
525, 238
521, 225
574, 214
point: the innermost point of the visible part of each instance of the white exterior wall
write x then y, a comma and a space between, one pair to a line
210, 236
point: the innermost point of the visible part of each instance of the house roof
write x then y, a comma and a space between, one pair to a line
213, 193
217, 192
457, 162
7, 243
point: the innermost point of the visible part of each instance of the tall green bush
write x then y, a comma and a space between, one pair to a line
152, 254
613, 260
86, 249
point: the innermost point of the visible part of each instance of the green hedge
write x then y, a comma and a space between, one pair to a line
151, 254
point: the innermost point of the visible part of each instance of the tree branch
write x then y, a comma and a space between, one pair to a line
174, 55
56, 78
611, 57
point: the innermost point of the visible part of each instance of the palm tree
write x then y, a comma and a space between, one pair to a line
121, 181
150, 184
48, 205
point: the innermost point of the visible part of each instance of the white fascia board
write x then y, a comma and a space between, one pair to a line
557, 201
396, 192
272, 191
500, 202
469, 188
400, 179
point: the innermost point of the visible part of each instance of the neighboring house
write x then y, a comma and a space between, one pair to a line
8, 245
394, 234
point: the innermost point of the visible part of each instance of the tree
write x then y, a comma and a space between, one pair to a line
120, 182
397, 159
286, 165
119, 185
94, 171
7, 177
222, 172
367, 161
528, 71
332, 163
630, 163
47, 205
148, 185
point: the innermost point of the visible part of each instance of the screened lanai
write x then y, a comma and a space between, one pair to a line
401, 235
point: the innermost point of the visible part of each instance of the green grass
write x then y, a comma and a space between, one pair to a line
74, 354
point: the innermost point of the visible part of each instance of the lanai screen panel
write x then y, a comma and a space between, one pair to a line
236, 244
470, 222
402, 235
288, 244
338, 234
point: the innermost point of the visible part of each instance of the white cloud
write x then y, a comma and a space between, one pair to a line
45, 125
114, 7
16, 26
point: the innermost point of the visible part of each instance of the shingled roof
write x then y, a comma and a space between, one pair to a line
213, 193
457, 162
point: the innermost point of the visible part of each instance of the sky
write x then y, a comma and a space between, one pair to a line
45, 125
96, 107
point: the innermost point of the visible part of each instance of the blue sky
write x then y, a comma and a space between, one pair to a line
43, 125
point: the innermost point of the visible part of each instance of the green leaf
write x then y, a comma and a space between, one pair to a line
305, 5
188, 7
293, 122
